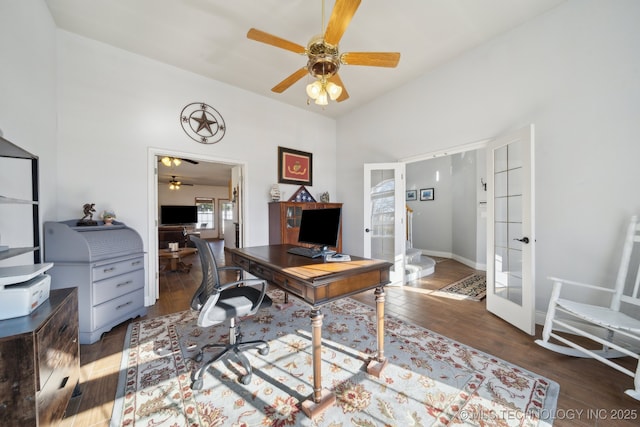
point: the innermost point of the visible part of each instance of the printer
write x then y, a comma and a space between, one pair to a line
23, 288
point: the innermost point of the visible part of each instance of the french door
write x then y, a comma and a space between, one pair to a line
384, 213
510, 229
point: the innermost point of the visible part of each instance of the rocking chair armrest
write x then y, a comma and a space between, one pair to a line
583, 285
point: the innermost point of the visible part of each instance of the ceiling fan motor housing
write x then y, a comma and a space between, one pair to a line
324, 60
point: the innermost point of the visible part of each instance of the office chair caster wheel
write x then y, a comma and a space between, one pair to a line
264, 351
197, 384
245, 379
199, 357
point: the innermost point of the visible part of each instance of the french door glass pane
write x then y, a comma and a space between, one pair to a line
508, 222
383, 214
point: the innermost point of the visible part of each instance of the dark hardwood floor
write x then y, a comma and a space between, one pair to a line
591, 394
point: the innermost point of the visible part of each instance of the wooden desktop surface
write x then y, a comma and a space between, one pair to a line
318, 282
312, 279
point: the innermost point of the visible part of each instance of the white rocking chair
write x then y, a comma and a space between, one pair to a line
608, 319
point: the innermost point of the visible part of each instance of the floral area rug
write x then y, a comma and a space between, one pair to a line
473, 287
430, 380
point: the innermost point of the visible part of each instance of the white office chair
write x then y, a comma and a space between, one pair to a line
604, 324
219, 302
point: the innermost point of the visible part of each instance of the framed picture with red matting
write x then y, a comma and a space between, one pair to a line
294, 167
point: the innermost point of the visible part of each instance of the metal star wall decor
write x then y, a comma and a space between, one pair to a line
202, 123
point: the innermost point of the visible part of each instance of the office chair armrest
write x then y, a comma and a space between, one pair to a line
233, 268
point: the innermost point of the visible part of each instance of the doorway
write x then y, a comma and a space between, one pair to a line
198, 176
447, 204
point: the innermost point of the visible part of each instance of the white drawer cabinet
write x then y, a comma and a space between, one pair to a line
104, 290
106, 264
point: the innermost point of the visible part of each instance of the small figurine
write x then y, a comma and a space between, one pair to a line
108, 217
89, 209
324, 197
275, 193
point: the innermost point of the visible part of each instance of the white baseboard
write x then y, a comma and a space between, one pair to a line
469, 263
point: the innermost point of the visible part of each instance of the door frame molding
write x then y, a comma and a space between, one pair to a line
447, 152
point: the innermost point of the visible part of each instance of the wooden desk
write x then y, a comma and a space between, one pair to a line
317, 282
175, 258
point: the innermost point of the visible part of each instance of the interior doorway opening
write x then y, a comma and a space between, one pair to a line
199, 177
446, 207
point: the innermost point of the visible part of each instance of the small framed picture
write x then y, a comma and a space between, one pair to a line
427, 194
412, 195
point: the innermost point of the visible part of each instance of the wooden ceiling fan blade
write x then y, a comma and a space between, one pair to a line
337, 80
286, 83
371, 59
262, 37
340, 18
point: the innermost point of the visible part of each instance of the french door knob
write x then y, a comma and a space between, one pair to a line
523, 240
367, 230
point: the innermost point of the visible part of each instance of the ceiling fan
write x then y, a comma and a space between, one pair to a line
174, 184
324, 58
169, 161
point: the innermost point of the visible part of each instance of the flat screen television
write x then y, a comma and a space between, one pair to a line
174, 214
320, 227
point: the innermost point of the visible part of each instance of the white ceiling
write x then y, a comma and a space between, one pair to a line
208, 37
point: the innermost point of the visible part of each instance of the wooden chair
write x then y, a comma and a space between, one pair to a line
617, 331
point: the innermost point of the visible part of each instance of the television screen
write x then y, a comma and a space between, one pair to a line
320, 226
172, 214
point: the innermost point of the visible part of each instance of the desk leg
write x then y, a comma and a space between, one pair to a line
378, 363
321, 399
286, 303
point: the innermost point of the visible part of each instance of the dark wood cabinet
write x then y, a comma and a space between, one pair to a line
40, 362
284, 221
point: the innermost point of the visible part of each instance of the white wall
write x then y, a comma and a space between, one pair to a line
573, 72
28, 105
432, 220
114, 105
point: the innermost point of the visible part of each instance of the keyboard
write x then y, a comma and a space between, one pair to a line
306, 252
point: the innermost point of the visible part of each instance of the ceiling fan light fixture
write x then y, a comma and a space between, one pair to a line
321, 90
168, 161
333, 90
314, 89
322, 98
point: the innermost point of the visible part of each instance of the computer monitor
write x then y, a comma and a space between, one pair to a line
320, 227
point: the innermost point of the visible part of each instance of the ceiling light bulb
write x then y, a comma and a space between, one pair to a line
334, 90
166, 161
314, 89
177, 161
322, 98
